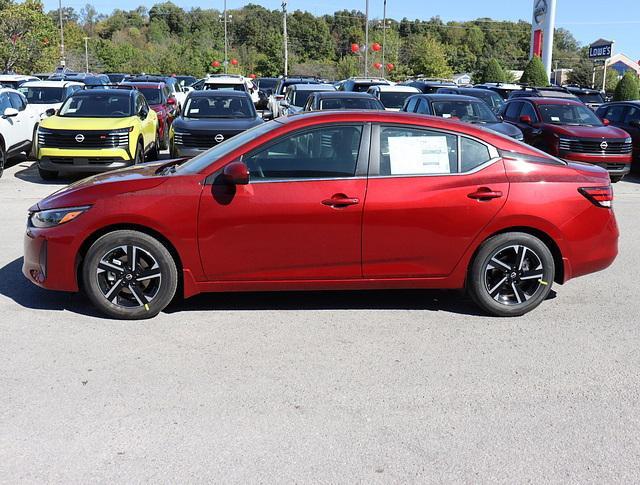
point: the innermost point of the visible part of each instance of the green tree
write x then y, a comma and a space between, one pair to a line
493, 73
535, 73
627, 88
426, 56
27, 37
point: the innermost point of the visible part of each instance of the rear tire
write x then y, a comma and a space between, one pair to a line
154, 153
47, 174
139, 156
32, 151
129, 275
164, 144
511, 274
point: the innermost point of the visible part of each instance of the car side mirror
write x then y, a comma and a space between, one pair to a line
236, 173
50, 112
10, 113
526, 119
171, 100
605, 122
143, 113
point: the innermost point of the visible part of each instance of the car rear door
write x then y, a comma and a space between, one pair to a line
300, 217
429, 195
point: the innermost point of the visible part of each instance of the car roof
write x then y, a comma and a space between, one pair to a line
312, 87
115, 92
539, 100
15, 77
635, 102
215, 93
395, 88
50, 84
448, 97
477, 90
224, 79
143, 84
343, 94
9, 90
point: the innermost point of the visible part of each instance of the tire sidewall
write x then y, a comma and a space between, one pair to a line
3, 159
476, 284
168, 270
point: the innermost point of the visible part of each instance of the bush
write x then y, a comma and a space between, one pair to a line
493, 73
535, 73
627, 88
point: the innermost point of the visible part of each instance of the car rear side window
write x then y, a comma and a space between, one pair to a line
633, 114
327, 152
408, 151
412, 151
615, 113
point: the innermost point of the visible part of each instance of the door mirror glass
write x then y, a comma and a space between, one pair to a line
526, 119
236, 173
10, 112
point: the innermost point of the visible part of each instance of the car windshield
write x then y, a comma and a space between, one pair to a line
591, 98
186, 80
469, 111
568, 114
98, 105
350, 103
225, 87
265, 84
394, 100
152, 95
202, 161
10, 84
219, 107
43, 95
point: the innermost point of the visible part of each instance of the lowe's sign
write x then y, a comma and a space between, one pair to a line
600, 50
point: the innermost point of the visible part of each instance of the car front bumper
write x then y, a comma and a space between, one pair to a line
102, 160
614, 164
53, 273
187, 151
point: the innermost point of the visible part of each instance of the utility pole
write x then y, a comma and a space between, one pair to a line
86, 53
285, 38
384, 35
226, 42
62, 58
366, 39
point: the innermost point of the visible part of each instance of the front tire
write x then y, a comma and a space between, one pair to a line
3, 158
139, 156
154, 153
129, 275
511, 274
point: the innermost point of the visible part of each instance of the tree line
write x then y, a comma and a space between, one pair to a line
169, 39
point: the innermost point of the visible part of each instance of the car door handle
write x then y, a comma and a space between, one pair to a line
485, 193
340, 200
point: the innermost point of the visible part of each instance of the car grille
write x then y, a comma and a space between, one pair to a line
590, 145
74, 139
201, 140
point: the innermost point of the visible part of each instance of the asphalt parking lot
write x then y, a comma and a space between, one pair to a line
320, 387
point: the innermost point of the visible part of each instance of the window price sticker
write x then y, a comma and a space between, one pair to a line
419, 155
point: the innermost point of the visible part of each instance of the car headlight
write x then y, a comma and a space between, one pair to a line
628, 140
128, 129
55, 217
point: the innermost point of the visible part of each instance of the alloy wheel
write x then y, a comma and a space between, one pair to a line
514, 274
129, 276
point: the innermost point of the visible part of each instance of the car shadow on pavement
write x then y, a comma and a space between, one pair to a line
29, 173
431, 300
15, 286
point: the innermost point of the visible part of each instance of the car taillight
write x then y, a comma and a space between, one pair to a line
599, 196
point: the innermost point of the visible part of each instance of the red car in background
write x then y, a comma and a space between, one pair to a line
569, 130
161, 101
329, 200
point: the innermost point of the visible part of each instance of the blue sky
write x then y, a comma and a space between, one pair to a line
587, 19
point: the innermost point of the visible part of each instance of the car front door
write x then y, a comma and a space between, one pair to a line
429, 195
25, 121
8, 125
300, 216
148, 122
631, 124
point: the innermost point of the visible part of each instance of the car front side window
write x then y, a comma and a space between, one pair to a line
327, 152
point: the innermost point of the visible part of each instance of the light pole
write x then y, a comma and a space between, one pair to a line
384, 33
285, 38
62, 59
225, 18
366, 39
86, 53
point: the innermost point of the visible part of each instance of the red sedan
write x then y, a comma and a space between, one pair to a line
330, 200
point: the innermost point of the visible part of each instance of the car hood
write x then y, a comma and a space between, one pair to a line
106, 185
503, 128
213, 124
83, 124
587, 131
42, 108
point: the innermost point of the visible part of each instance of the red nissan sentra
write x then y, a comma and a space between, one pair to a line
330, 200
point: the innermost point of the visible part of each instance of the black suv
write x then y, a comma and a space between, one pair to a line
591, 97
542, 92
361, 84
430, 86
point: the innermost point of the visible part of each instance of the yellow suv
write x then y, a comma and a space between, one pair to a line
97, 130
